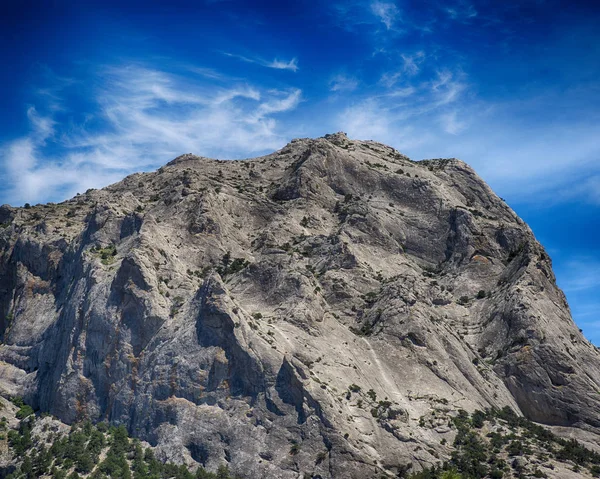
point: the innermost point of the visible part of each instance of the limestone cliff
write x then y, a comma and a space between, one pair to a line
320, 310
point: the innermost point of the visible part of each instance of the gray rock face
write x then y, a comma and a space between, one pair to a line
321, 310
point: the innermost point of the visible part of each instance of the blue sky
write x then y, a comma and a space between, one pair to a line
92, 91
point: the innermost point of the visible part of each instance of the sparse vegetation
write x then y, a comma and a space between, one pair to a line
365, 330
463, 300
95, 451
176, 305
107, 254
230, 266
476, 456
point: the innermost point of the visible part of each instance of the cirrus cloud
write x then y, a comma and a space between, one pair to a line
139, 118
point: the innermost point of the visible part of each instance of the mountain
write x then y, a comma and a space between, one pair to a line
323, 311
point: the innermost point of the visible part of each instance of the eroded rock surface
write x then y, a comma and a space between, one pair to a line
321, 310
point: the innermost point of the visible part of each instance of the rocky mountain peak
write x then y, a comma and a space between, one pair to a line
325, 309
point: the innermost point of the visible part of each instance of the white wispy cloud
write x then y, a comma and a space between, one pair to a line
447, 87
387, 13
401, 92
344, 15
412, 63
589, 187
283, 65
276, 63
461, 12
210, 73
279, 102
580, 274
367, 119
376, 118
411, 66
451, 123
572, 180
355, 15
343, 82
389, 79
142, 117
430, 107
579, 277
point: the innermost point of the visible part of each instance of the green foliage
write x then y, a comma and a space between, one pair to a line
496, 473
294, 449
475, 458
107, 255
370, 297
365, 330
477, 419
24, 411
572, 450
223, 472
372, 394
450, 475
470, 456
231, 266
20, 440
516, 448
464, 300
77, 454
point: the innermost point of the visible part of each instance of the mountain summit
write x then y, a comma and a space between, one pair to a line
324, 310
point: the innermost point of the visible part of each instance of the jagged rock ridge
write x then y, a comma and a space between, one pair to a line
321, 310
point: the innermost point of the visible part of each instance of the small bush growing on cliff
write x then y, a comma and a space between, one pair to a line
229, 266
464, 300
107, 255
26, 410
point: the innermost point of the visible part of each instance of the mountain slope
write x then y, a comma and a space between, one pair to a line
323, 310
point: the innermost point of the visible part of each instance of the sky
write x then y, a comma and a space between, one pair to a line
93, 91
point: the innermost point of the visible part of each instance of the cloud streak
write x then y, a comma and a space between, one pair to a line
343, 83
581, 274
141, 118
438, 114
276, 63
386, 12
461, 12
398, 114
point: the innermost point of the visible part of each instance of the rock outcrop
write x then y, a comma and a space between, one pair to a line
321, 310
